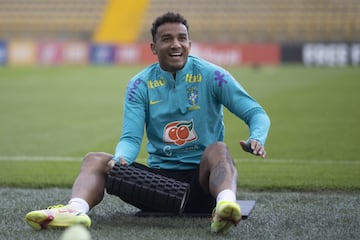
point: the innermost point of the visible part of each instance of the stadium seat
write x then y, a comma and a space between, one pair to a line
263, 20
210, 20
69, 19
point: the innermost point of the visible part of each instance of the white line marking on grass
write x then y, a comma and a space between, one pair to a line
258, 160
39, 158
301, 161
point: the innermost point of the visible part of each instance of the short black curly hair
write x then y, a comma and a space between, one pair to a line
168, 17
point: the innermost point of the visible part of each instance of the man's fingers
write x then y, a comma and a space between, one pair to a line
123, 162
253, 147
112, 162
110, 165
258, 149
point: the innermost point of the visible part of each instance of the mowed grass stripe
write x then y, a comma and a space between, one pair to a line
143, 160
73, 110
252, 174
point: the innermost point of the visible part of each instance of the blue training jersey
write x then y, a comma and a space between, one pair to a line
183, 115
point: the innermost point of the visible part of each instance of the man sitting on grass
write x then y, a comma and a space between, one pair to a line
179, 102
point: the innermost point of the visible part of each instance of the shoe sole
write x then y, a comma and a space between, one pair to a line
227, 215
38, 220
41, 220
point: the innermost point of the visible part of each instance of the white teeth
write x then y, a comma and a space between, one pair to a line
175, 54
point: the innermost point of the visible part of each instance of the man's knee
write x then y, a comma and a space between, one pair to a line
96, 160
215, 154
218, 149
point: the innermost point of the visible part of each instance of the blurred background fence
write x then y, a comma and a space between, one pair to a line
228, 32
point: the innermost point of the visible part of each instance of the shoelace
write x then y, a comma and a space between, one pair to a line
55, 206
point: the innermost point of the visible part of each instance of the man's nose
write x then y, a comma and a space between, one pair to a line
175, 44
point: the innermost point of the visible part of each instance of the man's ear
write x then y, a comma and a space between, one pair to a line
153, 50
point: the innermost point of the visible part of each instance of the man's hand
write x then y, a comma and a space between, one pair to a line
111, 164
254, 147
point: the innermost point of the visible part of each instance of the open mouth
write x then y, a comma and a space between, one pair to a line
175, 55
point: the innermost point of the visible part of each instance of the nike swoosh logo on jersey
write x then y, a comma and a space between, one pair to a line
154, 102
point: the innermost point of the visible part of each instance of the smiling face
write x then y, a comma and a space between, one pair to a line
172, 46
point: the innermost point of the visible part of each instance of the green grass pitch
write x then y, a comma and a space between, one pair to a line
307, 187
57, 113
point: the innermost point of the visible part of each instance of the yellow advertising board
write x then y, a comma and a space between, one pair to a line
22, 52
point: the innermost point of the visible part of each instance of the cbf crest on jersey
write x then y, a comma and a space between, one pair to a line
193, 97
179, 132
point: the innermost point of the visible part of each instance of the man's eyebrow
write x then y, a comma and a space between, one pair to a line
169, 35
166, 35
